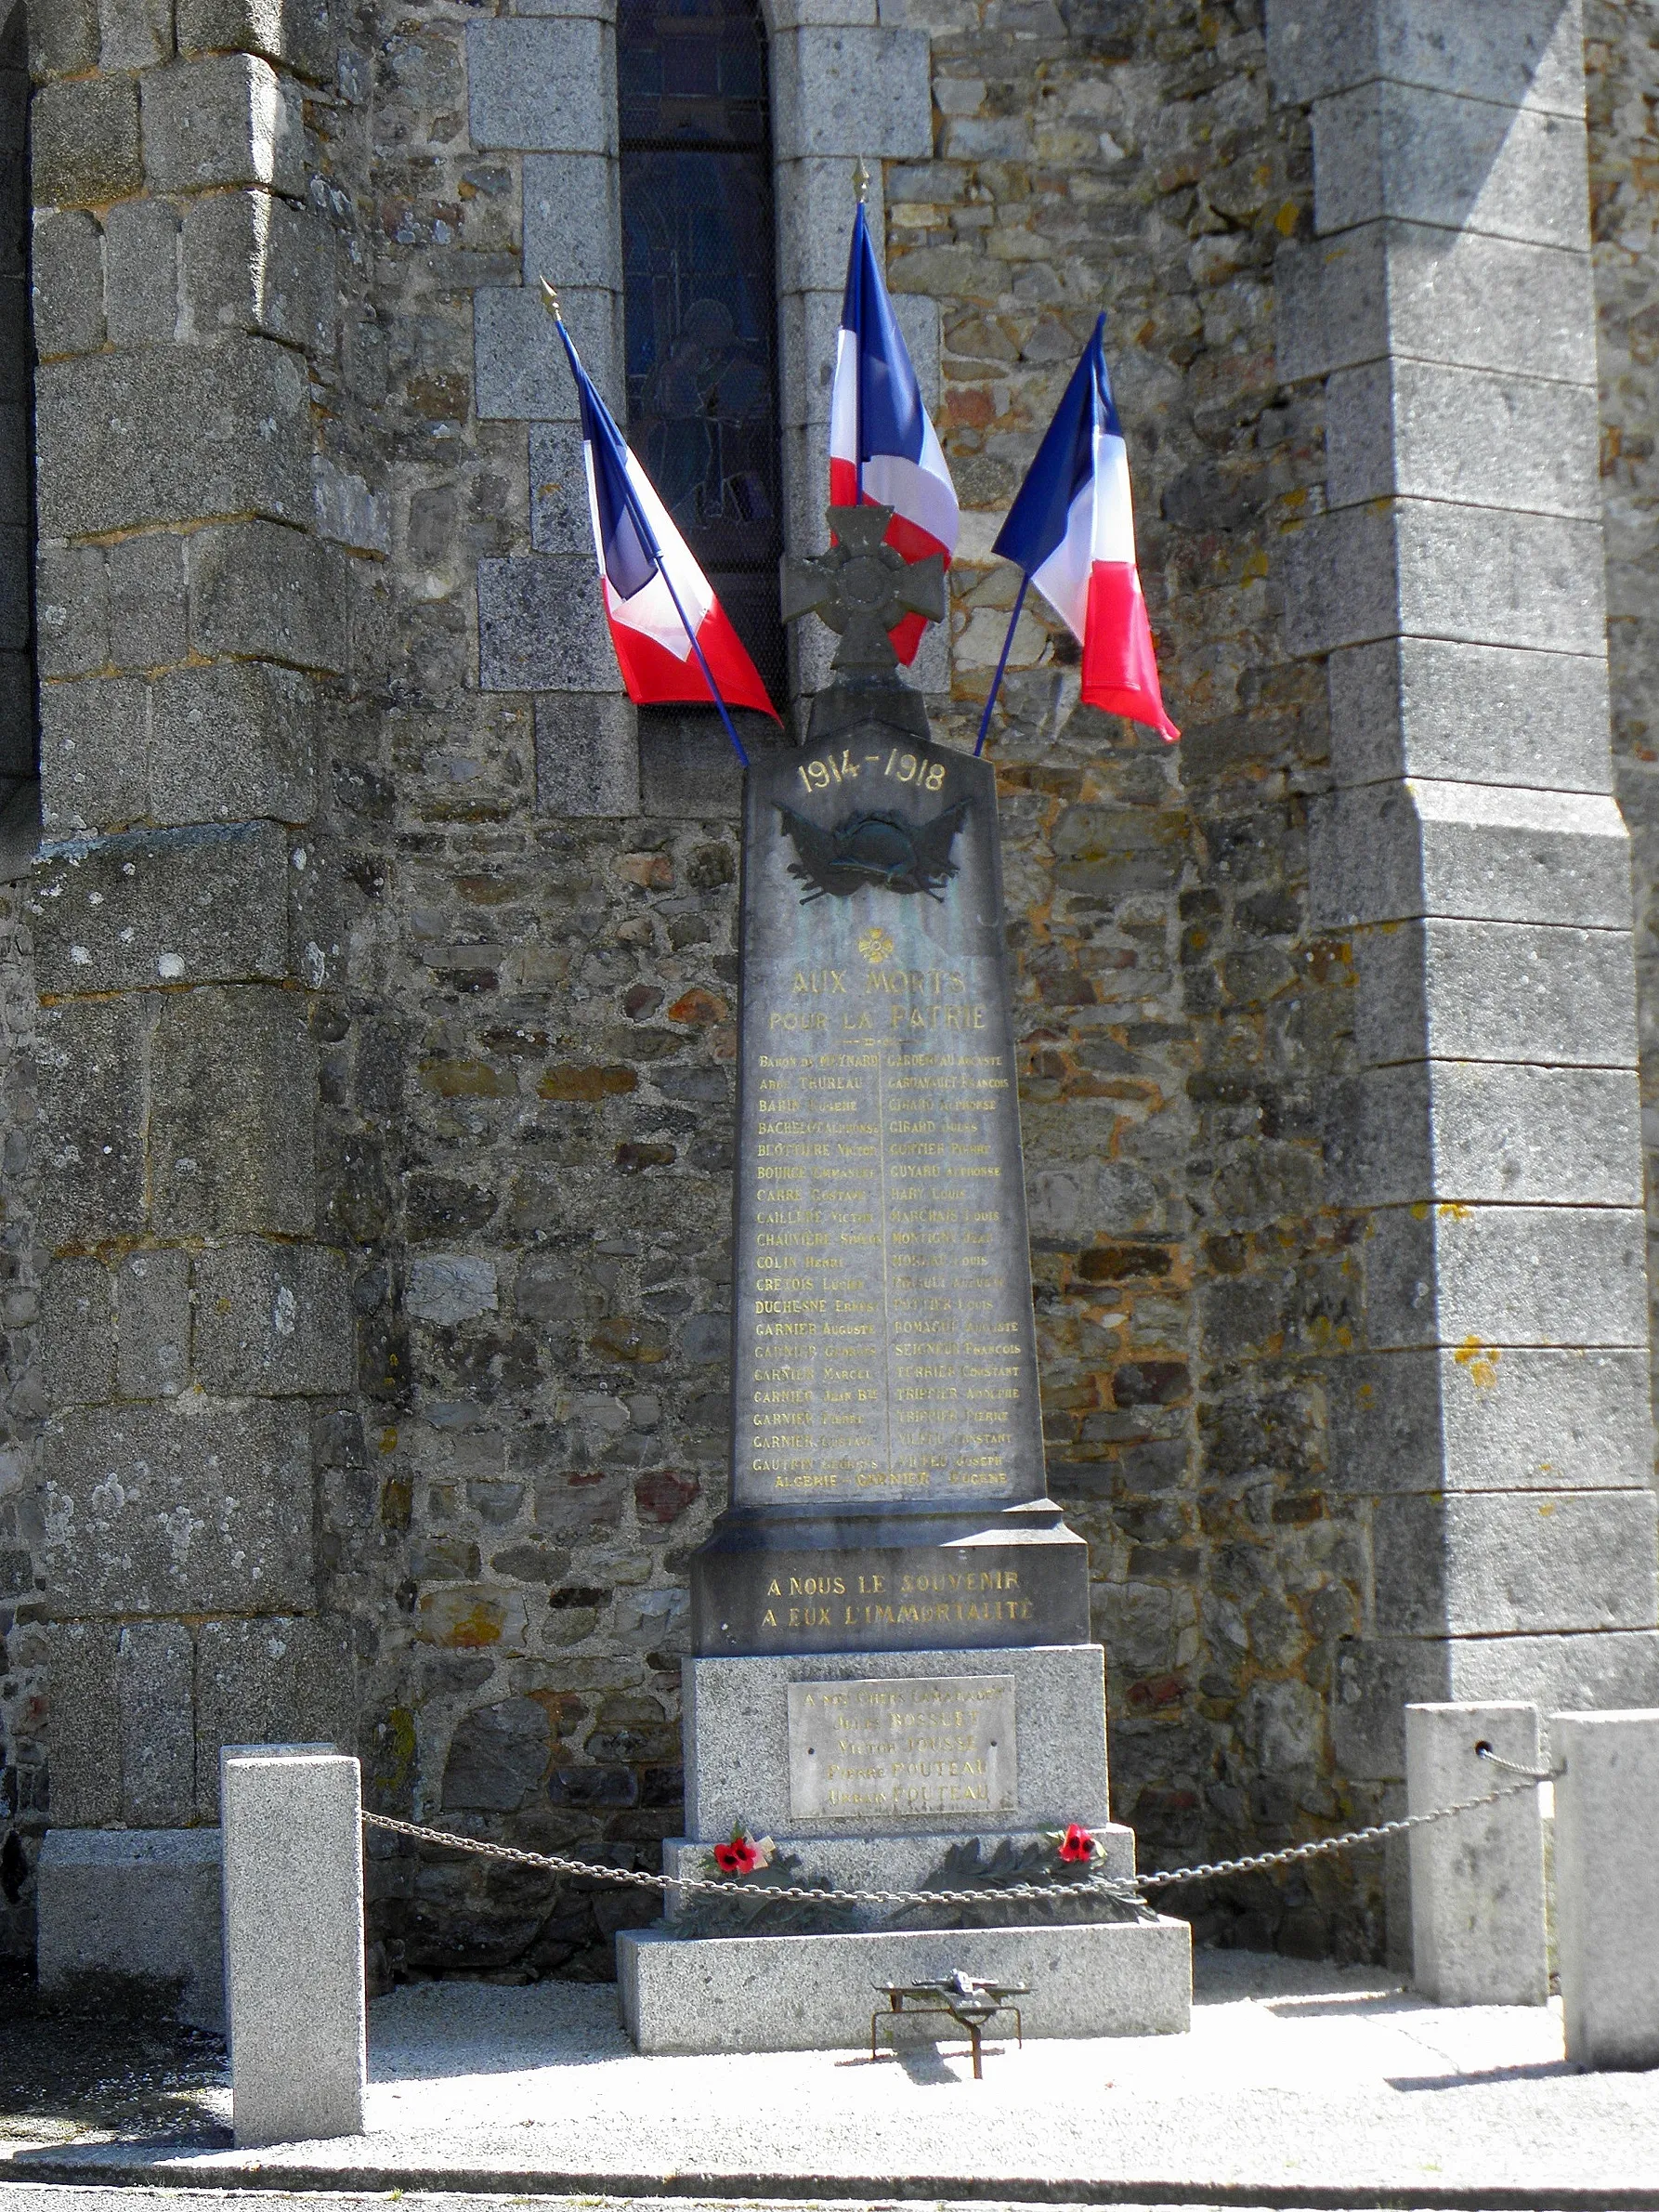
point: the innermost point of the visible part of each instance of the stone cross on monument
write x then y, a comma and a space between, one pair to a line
892, 1672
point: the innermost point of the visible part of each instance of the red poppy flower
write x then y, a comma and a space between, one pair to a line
1077, 1845
739, 1856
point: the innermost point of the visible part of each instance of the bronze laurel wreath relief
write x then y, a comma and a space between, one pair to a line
874, 848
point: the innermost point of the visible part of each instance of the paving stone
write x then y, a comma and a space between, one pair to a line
149, 1510
198, 905
273, 1319
232, 1113
228, 120
95, 477
152, 1323
232, 741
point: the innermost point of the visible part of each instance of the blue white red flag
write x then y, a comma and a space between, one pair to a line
883, 451
1072, 529
673, 638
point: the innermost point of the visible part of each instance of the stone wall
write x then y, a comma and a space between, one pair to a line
1622, 69
519, 1046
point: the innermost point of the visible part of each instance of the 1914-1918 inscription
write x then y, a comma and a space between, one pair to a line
927, 1746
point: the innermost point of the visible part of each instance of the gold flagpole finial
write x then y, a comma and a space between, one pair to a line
861, 180
550, 299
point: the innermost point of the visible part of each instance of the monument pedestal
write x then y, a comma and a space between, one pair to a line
894, 1770
894, 1679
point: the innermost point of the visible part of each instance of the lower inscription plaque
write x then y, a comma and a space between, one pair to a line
933, 1746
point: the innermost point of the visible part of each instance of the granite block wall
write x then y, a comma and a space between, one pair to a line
480, 1322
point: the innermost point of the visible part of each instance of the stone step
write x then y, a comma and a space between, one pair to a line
817, 1992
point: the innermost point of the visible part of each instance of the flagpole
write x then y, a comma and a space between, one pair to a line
985, 720
549, 300
861, 182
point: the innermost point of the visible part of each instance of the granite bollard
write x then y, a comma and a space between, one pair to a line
1477, 1882
293, 1942
1607, 1885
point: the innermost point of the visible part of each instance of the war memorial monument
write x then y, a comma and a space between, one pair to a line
891, 1674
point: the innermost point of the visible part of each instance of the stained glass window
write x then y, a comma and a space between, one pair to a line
701, 294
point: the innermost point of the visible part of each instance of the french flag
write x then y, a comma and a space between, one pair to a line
1072, 529
673, 638
883, 451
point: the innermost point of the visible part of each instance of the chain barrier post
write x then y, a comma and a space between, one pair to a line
292, 1817
1476, 1889
1607, 1885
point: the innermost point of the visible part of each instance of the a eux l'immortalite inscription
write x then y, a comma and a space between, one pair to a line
927, 1746
885, 1353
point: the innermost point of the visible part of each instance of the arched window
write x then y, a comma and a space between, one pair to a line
701, 294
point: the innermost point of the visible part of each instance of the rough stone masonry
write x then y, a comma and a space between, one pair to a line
369, 1011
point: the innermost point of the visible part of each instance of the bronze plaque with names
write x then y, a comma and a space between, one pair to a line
941, 1748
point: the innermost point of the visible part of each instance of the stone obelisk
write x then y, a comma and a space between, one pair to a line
892, 1675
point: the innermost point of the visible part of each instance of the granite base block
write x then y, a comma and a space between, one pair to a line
140, 1906
889, 1862
738, 1740
817, 1992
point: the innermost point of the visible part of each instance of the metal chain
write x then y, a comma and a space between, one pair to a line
1330, 1843
1120, 1892
1508, 1766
